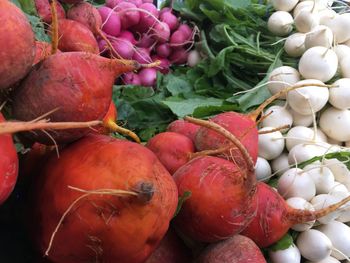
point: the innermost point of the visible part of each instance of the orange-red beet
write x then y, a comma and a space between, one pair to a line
8, 165
17, 44
171, 250
172, 149
184, 127
86, 14
237, 249
77, 84
222, 202
240, 125
103, 228
274, 216
74, 36
44, 10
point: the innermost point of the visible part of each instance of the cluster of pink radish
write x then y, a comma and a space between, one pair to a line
139, 31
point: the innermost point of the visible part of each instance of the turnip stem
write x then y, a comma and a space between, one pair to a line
287, 126
20, 126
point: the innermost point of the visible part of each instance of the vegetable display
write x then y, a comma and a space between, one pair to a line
182, 131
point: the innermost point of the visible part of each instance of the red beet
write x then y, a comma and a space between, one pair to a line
74, 36
44, 10
184, 127
240, 125
222, 201
172, 149
17, 44
77, 84
237, 249
170, 250
8, 165
274, 216
86, 14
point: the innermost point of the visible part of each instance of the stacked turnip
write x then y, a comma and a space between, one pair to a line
310, 121
139, 31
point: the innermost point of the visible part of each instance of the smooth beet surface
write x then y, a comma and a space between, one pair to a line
172, 149
77, 85
74, 36
184, 127
120, 228
8, 165
17, 44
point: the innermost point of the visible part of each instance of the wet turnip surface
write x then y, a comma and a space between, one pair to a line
77, 85
8, 165
17, 44
103, 228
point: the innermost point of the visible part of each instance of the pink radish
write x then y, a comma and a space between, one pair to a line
111, 21
164, 66
179, 56
148, 77
170, 19
163, 50
128, 14
123, 48
128, 36
131, 78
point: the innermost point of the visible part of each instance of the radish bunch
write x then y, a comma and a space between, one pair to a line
139, 31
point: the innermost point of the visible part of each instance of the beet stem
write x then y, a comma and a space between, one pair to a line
112, 126
221, 130
254, 114
54, 27
20, 126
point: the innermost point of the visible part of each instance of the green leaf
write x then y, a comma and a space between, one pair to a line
343, 156
182, 108
260, 93
177, 85
38, 28
28, 6
186, 195
220, 62
285, 242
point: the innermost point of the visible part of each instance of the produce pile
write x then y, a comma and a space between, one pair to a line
198, 131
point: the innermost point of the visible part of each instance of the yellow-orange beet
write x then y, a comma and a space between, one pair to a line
103, 227
17, 44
